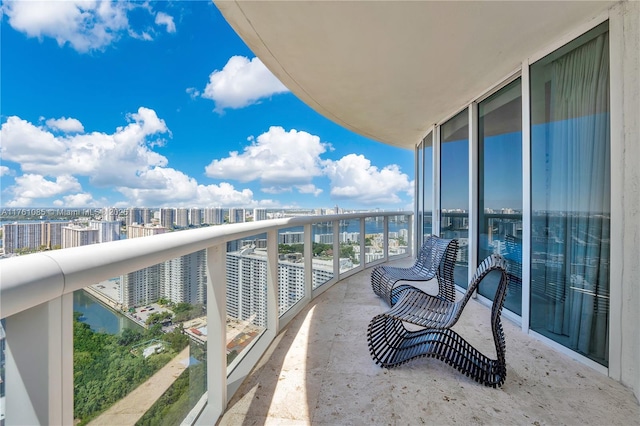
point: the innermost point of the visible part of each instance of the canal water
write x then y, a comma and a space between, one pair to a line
99, 317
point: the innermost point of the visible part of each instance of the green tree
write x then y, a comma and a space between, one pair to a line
158, 317
129, 336
320, 249
346, 251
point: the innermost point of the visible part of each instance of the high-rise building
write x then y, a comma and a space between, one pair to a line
290, 237
16, 236
246, 282
140, 287
136, 231
167, 217
214, 215
349, 237
132, 216
109, 214
107, 231
145, 215
323, 238
184, 279
53, 234
76, 236
259, 214
195, 217
247, 286
32, 236
236, 215
182, 217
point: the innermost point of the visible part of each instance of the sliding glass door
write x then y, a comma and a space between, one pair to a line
454, 193
500, 187
424, 189
570, 160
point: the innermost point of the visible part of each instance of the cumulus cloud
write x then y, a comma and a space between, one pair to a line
84, 25
30, 187
67, 125
240, 83
174, 188
166, 20
123, 160
81, 199
119, 158
24, 142
309, 189
354, 178
276, 158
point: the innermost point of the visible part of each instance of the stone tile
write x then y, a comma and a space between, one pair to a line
353, 399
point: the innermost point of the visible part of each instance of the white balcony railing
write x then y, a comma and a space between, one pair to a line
36, 303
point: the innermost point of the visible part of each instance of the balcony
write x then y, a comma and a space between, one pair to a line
310, 363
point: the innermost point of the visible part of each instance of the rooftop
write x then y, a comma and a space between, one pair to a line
318, 371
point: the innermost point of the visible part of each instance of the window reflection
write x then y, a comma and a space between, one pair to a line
500, 186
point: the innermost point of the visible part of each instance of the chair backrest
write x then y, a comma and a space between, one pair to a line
494, 262
437, 257
446, 282
433, 251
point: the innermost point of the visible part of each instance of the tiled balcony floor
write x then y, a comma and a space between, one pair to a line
319, 372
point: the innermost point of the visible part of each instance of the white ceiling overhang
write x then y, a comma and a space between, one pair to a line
390, 70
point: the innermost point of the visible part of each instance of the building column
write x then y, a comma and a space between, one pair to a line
624, 314
39, 364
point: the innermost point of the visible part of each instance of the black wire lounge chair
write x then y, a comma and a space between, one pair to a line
436, 259
391, 343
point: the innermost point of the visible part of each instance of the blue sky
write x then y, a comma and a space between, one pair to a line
162, 104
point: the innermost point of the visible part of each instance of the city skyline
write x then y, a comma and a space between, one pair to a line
162, 104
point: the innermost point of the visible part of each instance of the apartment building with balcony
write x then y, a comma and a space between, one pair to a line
32, 236
77, 235
195, 216
259, 214
214, 215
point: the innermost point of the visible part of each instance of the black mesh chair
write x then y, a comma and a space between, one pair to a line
436, 259
391, 343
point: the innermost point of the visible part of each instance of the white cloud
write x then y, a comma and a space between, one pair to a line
23, 142
114, 159
302, 189
166, 20
85, 25
226, 195
309, 189
81, 199
174, 188
30, 187
5, 171
240, 83
354, 178
276, 158
123, 160
193, 92
67, 125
